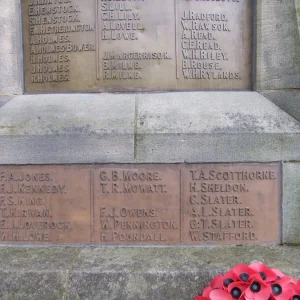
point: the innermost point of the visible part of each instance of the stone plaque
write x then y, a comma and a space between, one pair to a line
44, 204
230, 204
140, 204
137, 204
136, 45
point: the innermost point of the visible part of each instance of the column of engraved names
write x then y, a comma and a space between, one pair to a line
26, 211
204, 34
122, 25
136, 206
53, 25
228, 205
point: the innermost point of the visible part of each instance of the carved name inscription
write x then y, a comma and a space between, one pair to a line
43, 205
230, 204
101, 45
137, 205
140, 204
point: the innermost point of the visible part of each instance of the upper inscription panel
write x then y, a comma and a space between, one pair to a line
136, 45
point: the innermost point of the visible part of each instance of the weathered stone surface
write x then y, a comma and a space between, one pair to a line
62, 149
33, 115
168, 127
291, 203
126, 273
214, 127
11, 71
64, 128
278, 45
4, 100
35, 273
298, 13
289, 101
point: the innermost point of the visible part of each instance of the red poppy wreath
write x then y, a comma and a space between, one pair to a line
254, 282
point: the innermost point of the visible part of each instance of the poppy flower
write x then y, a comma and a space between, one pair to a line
281, 289
243, 272
253, 282
265, 273
201, 298
237, 289
220, 295
278, 273
207, 291
217, 282
295, 291
293, 280
229, 278
258, 289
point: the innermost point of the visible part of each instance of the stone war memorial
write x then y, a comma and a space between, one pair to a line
146, 145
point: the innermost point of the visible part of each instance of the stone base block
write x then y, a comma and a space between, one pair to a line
198, 127
146, 128
45, 129
57, 273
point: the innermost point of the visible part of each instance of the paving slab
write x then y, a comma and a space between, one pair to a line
133, 273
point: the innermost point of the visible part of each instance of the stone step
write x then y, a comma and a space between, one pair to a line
146, 128
127, 273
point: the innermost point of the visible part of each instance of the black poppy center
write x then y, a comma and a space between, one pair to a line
276, 289
236, 293
244, 277
255, 287
262, 275
227, 282
297, 297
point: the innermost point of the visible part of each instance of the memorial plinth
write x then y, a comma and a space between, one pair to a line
70, 46
141, 141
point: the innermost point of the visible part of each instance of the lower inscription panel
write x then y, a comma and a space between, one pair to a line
141, 204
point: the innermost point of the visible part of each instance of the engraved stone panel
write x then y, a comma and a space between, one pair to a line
141, 45
137, 205
228, 204
44, 204
140, 204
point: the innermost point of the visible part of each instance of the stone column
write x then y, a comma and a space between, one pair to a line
278, 45
11, 70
